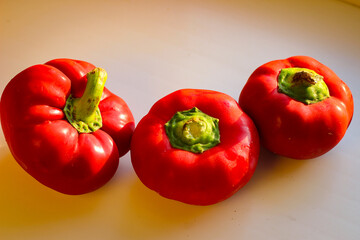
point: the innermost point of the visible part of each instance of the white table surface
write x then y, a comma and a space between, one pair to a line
152, 48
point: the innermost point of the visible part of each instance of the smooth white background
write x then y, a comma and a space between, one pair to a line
151, 48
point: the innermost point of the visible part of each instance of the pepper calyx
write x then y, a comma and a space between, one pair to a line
83, 113
302, 84
192, 130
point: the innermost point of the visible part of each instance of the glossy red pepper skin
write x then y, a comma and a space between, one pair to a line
291, 128
44, 143
196, 178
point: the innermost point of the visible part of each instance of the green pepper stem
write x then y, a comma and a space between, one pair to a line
303, 85
86, 105
83, 113
192, 130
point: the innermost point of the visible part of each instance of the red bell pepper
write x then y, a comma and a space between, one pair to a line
195, 146
301, 108
64, 127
